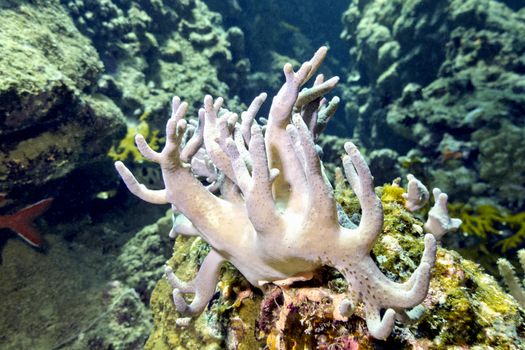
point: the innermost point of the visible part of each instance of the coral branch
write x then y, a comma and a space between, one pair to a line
506, 270
275, 218
417, 194
361, 181
203, 286
439, 222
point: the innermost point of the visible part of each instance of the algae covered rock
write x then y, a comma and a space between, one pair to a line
465, 307
51, 121
154, 50
447, 77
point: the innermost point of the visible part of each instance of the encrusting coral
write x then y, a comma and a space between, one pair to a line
276, 219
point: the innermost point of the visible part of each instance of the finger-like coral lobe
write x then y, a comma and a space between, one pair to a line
270, 209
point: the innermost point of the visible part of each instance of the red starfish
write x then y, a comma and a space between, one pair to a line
22, 221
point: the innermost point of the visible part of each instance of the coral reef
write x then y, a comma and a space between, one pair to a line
447, 77
151, 49
464, 307
263, 196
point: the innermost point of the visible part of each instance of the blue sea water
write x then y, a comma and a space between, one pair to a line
434, 89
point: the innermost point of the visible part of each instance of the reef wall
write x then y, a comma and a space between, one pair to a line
448, 78
152, 50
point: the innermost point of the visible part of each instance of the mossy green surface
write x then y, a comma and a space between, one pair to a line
44, 61
48, 109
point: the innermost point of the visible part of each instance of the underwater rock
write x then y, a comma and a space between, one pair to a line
464, 307
48, 111
429, 70
141, 260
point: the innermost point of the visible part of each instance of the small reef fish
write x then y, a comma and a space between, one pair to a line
21, 222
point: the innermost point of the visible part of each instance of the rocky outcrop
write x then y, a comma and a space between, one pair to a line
51, 119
